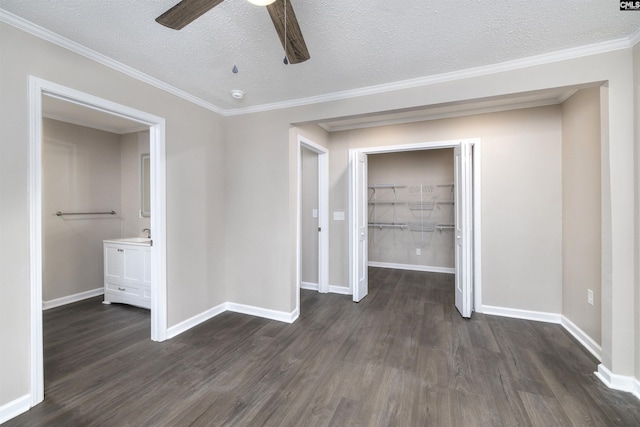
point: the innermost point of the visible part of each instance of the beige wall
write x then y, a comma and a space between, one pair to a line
132, 146
421, 175
521, 199
195, 189
581, 210
80, 173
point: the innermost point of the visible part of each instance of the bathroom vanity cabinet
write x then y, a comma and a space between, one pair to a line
127, 271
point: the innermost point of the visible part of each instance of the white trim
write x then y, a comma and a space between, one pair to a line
540, 316
518, 64
38, 88
516, 313
70, 299
191, 322
35, 242
309, 286
587, 342
477, 223
342, 290
50, 36
14, 408
547, 58
618, 382
266, 313
412, 267
476, 143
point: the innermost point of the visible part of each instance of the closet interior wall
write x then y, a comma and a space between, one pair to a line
411, 210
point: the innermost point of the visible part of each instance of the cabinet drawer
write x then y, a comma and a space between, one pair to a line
133, 291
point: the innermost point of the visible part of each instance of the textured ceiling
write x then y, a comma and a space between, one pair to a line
353, 43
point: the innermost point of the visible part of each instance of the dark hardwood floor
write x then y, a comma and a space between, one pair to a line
401, 357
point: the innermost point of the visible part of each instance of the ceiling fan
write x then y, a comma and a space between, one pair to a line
281, 12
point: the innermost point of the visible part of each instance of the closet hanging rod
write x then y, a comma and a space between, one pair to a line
59, 213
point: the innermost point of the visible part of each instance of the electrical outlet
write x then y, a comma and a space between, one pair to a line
418, 251
590, 296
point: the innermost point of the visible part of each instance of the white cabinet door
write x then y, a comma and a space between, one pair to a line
113, 263
133, 264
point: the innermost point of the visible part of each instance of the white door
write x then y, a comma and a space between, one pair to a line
360, 212
463, 228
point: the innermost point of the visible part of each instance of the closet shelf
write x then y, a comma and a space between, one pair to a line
446, 227
422, 206
386, 203
423, 227
382, 225
374, 186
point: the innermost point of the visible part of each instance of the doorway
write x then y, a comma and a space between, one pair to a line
467, 218
38, 89
312, 222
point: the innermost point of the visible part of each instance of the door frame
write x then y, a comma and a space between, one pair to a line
323, 215
157, 145
476, 194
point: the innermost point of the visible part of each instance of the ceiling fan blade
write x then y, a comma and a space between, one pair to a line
186, 12
295, 47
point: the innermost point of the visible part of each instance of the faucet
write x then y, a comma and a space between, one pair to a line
148, 231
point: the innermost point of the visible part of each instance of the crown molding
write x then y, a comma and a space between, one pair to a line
531, 61
518, 64
50, 36
634, 38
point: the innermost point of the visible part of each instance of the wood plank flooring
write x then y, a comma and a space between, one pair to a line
401, 357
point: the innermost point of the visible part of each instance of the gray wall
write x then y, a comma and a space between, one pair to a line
132, 146
81, 171
421, 175
581, 216
309, 222
86, 170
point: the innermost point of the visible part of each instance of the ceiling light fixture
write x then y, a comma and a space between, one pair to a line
261, 2
237, 94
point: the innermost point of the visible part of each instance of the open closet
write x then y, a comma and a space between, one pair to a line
411, 210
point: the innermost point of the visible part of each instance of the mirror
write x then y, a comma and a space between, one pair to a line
145, 186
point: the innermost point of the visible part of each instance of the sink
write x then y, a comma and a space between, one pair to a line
142, 241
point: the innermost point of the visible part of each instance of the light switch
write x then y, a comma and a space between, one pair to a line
338, 216
314, 213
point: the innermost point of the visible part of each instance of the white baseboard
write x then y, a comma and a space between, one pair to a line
412, 267
343, 290
280, 316
540, 316
195, 320
309, 286
46, 305
587, 342
185, 325
14, 408
618, 382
